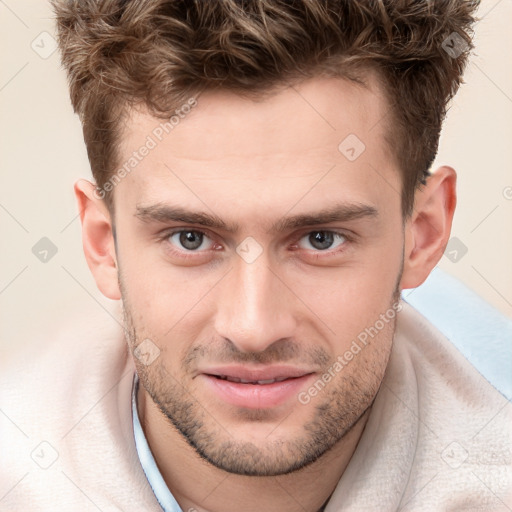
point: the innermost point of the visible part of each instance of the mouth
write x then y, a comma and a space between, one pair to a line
254, 382
252, 388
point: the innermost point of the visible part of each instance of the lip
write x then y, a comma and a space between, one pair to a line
258, 395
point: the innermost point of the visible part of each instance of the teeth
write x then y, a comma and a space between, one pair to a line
244, 381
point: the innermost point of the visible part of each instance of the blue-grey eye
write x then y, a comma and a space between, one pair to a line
322, 240
188, 239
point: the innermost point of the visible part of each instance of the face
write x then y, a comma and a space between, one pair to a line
262, 258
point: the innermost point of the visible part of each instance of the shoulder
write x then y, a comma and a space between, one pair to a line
65, 421
464, 424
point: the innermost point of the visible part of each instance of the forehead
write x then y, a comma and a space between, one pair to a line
323, 134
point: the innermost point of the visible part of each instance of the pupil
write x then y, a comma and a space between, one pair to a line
191, 239
321, 239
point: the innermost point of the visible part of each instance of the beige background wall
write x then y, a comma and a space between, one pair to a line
42, 154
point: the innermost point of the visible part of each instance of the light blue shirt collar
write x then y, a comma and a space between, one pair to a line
155, 479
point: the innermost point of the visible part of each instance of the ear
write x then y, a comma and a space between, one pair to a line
98, 239
428, 228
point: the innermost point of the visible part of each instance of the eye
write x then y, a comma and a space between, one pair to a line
190, 240
322, 240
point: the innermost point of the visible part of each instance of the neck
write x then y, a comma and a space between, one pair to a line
199, 486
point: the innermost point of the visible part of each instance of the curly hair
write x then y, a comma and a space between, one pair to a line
157, 53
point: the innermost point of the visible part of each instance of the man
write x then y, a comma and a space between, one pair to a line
262, 195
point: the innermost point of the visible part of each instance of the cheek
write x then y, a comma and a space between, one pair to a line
350, 299
170, 310
158, 293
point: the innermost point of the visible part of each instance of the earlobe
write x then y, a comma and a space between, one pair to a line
97, 239
427, 231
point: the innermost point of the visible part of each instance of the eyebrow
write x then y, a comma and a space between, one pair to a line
342, 212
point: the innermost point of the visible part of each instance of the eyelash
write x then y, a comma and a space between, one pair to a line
184, 254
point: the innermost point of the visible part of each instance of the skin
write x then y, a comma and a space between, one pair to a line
255, 163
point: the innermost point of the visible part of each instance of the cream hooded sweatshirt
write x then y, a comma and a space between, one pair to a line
438, 439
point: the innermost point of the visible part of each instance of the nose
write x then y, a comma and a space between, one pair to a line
255, 308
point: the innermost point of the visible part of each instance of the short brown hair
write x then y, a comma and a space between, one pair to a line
158, 53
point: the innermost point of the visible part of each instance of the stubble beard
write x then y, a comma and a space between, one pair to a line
337, 408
